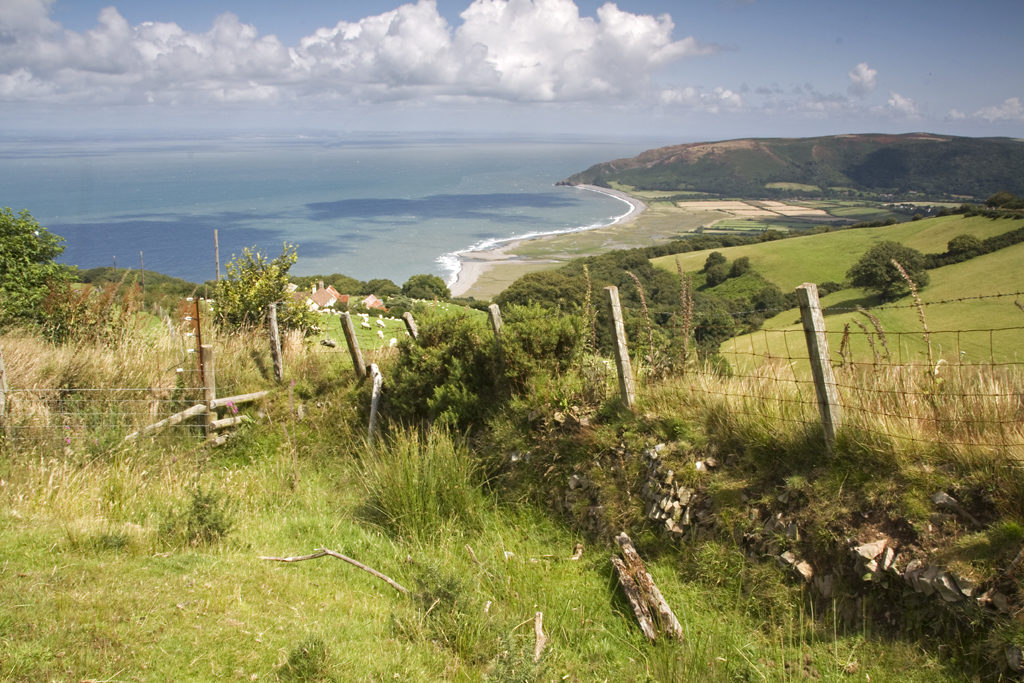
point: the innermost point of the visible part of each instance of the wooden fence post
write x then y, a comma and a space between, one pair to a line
627, 386
3, 394
353, 345
378, 381
821, 364
209, 386
410, 325
494, 313
275, 342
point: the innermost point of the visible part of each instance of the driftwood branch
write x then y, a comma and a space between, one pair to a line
322, 552
649, 606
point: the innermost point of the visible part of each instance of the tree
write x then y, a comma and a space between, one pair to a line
380, 287
252, 283
876, 271
715, 258
424, 286
27, 266
715, 274
740, 266
964, 247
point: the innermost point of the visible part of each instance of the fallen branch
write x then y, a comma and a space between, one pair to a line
538, 632
649, 606
322, 552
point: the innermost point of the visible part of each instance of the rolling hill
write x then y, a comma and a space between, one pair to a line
913, 165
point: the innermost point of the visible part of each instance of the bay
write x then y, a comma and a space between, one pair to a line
364, 207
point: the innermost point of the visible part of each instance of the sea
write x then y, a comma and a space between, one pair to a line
363, 206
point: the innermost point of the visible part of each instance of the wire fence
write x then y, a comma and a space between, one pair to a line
895, 377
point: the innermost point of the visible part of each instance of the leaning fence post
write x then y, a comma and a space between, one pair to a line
378, 381
209, 386
627, 386
353, 345
410, 325
275, 342
494, 313
821, 364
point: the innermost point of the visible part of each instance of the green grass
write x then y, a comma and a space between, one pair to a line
827, 256
94, 589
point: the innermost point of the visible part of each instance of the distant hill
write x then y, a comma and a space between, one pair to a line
901, 166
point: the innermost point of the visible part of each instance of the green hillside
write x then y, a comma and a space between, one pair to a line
967, 330
827, 256
904, 166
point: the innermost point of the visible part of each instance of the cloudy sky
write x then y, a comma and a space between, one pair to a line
684, 70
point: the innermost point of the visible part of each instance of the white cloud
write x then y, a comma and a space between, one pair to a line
717, 100
512, 50
1010, 110
903, 106
863, 79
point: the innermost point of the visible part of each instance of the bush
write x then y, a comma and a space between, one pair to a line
205, 520
876, 271
253, 283
534, 342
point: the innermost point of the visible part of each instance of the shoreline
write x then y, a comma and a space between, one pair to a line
475, 262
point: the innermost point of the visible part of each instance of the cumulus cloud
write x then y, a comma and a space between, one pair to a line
1010, 110
514, 50
862, 79
714, 101
903, 106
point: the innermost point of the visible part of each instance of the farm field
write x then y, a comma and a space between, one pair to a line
827, 256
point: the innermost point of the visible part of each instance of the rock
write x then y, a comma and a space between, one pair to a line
927, 580
684, 495
943, 499
824, 585
870, 551
1014, 658
888, 558
328, 342
787, 558
700, 466
912, 574
711, 463
945, 586
805, 570
578, 482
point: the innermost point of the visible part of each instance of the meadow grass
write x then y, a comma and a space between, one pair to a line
827, 256
143, 562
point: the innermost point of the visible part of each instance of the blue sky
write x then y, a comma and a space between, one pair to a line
680, 71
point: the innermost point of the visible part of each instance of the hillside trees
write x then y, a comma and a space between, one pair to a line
27, 267
425, 286
875, 270
252, 283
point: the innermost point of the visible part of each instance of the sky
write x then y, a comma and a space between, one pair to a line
679, 71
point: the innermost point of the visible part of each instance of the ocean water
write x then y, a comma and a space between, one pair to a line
367, 208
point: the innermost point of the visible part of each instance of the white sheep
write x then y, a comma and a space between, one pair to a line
380, 323
380, 333
365, 325
392, 343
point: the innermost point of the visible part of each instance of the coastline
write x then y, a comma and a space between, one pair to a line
475, 262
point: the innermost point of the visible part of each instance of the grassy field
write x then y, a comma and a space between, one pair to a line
960, 330
144, 561
827, 256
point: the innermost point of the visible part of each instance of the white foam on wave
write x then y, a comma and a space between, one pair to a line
451, 263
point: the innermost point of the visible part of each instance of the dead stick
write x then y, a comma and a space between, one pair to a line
538, 631
324, 551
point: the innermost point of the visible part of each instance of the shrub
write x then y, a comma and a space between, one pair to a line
875, 270
205, 520
252, 283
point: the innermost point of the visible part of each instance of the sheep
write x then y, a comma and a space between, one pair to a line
380, 334
380, 323
365, 325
